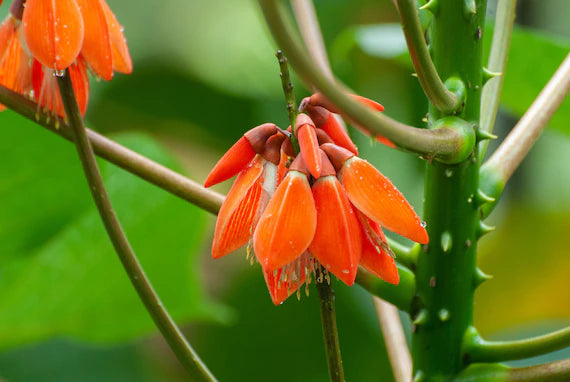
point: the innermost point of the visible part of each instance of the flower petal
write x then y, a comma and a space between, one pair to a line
285, 281
374, 195
337, 243
326, 120
120, 51
309, 144
375, 259
53, 31
287, 225
237, 215
96, 47
233, 161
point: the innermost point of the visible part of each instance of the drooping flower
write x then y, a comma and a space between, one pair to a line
60, 34
322, 213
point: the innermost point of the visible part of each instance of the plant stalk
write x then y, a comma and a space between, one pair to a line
287, 86
330, 331
433, 86
172, 334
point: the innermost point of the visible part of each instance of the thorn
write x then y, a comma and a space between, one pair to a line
431, 5
446, 241
487, 75
483, 135
443, 315
421, 318
483, 198
469, 8
480, 277
484, 229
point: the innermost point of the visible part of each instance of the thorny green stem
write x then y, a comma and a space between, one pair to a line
435, 90
133, 162
444, 141
504, 22
121, 156
446, 270
479, 350
520, 140
330, 331
173, 336
287, 85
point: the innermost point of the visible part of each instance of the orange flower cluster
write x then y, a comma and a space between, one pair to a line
322, 205
39, 39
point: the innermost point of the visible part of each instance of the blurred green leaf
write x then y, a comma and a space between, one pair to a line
59, 274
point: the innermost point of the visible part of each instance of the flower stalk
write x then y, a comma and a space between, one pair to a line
172, 334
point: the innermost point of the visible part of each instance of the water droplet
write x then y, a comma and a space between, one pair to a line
470, 199
58, 73
345, 271
423, 224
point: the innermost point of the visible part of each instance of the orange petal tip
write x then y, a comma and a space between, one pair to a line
231, 163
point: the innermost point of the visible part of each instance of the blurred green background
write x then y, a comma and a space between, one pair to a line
204, 72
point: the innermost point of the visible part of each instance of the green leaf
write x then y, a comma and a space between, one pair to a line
59, 275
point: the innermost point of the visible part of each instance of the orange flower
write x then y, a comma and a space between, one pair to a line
321, 214
60, 34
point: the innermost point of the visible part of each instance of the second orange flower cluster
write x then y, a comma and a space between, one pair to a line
40, 39
324, 203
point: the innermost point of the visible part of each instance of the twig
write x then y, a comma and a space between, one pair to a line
444, 141
504, 22
289, 94
517, 144
174, 337
498, 351
395, 340
433, 86
123, 157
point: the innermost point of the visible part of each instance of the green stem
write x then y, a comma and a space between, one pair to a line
174, 337
504, 22
407, 256
446, 275
330, 332
119, 155
400, 295
287, 86
479, 350
435, 90
444, 141
137, 164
